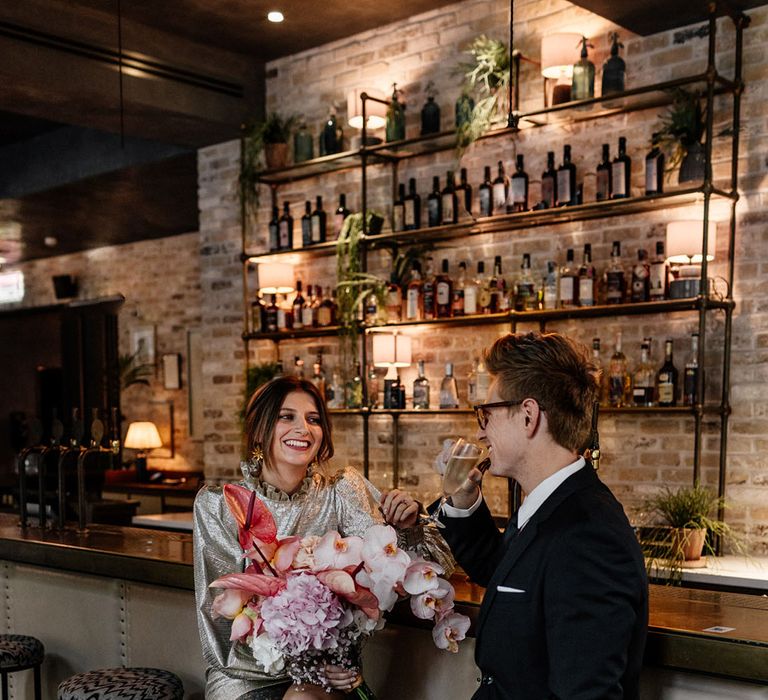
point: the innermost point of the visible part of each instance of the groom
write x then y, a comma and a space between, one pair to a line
566, 606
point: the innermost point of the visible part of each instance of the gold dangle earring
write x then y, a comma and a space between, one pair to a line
257, 457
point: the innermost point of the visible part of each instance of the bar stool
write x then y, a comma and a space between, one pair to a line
18, 652
121, 684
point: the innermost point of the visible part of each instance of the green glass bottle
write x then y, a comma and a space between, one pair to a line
583, 75
302, 145
395, 129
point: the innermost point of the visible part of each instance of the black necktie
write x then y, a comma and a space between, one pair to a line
511, 530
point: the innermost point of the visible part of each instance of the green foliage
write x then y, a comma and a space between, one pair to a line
682, 126
255, 376
131, 372
685, 507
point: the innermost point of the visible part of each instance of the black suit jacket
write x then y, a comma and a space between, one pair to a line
577, 628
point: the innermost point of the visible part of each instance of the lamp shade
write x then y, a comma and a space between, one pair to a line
375, 112
275, 278
685, 240
558, 54
391, 350
143, 435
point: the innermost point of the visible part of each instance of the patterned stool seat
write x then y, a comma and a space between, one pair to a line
122, 684
18, 651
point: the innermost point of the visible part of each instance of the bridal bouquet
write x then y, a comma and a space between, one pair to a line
305, 602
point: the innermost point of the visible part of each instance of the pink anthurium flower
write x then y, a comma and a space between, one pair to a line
282, 557
433, 603
229, 603
449, 631
253, 584
241, 628
421, 576
344, 585
336, 552
243, 502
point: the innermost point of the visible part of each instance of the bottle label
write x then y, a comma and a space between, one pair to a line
397, 217
485, 299
457, 302
619, 171
485, 202
394, 304
614, 287
420, 394
306, 232
274, 237
257, 318
526, 296
428, 295
603, 182
306, 316
564, 195
433, 211
409, 213
586, 291
448, 209
666, 389
651, 175
548, 191
518, 190
270, 319
499, 198
412, 304
567, 289
616, 389
690, 379
640, 283
470, 299
550, 296
448, 399
316, 234
443, 293
282, 319
658, 280
284, 242
642, 395
298, 316
324, 316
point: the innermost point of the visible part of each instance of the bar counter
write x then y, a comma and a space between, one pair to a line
700, 631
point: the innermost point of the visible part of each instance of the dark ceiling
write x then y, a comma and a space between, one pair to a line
196, 70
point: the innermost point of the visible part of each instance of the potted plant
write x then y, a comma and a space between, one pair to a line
680, 135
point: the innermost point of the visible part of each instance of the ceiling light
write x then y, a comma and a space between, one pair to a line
275, 16
51, 241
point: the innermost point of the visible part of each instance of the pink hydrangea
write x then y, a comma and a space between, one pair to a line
304, 615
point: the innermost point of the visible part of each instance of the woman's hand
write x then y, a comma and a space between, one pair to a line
341, 678
399, 509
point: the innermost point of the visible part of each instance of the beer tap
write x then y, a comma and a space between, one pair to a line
97, 433
35, 437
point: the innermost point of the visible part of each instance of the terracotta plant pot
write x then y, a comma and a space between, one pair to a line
276, 155
688, 543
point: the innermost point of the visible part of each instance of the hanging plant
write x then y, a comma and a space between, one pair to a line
682, 127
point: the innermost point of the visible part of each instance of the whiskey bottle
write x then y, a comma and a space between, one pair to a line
457, 295
414, 301
412, 207
599, 371
482, 382
398, 210
658, 275
615, 282
258, 320
274, 230
286, 228
604, 175
566, 180
621, 172
485, 193
500, 191
421, 389
298, 367
306, 225
428, 289
270, 315
284, 315
641, 273
569, 282
472, 297
691, 374
549, 182
443, 293
550, 297
394, 305
667, 377
434, 204
483, 289
318, 375
339, 215
449, 201
309, 312
326, 312
587, 275
519, 187
449, 391
464, 194
298, 307
496, 287
654, 168
525, 288
644, 379
618, 377
318, 222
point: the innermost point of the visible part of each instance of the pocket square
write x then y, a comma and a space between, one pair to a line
509, 589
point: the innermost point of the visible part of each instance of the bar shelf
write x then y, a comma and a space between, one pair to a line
711, 409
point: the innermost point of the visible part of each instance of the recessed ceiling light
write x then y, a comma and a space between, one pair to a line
51, 241
275, 16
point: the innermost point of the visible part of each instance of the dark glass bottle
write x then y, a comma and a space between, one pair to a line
286, 228
691, 374
306, 224
395, 128
485, 193
525, 288
500, 190
667, 378
398, 210
566, 180
659, 274
641, 273
549, 182
443, 293
569, 282
339, 215
621, 172
274, 230
614, 68
331, 136
654, 168
428, 290
434, 204
615, 282
318, 222
449, 200
430, 117
258, 321
412, 207
299, 302
270, 315
603, 190
464, 193
302, 144
519, 187
587, 278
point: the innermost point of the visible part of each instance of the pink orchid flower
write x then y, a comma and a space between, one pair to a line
421, 576
449, 631
229, 603
336, 552
381, 553
383, 584
434, 603
241, 628
254, 521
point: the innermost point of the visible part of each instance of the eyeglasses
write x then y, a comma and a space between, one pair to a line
483, 413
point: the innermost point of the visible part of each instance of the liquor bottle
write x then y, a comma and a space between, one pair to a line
654, 168
621, 172
549, 182
430, 116
618, 377
318, 222
615, 283
485, 193
309, 312
566, 180
428, 289
587, 275
302, 144
604, 175
398, 210
298, 307
326, 311
414, 301
412, 207
395, 126
339, 215
599, 371
434, 205
519, 187
525, 287
500, 191
496, 288
298, 367
306, 225
482, 382
569, 282
658, 275
464, 194
318, 374
274, 230
614, 68
483, 290
258, 320
443, 292
550, 298
421, 389
449, 391
394, 305
472, 385
286, 228
691, 374
284, 315
449, 201
331, 136
335, 392
372, 387
644, 379
270, 315
354, 389
666, 379
583, 85
472, 297
370, 309
457, 295
641, 275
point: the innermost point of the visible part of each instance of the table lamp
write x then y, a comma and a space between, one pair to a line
684, 247
559, 52
375, 112
275, 278
392, 350
142, 436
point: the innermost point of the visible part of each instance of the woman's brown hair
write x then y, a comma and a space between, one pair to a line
264, 408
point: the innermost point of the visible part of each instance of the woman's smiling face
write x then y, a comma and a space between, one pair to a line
298, 434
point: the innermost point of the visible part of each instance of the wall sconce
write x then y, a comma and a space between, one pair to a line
375, 112
393, 351
142, 436
275, 278
684, 248
558, 54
